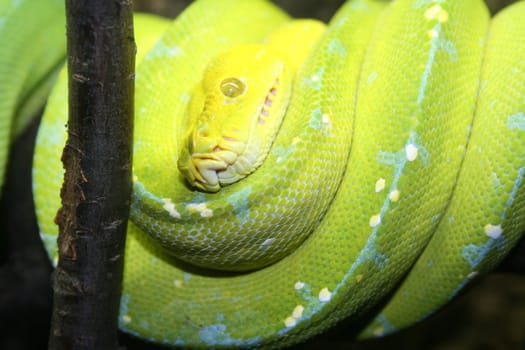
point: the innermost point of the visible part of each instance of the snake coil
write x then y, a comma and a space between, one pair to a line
401, 155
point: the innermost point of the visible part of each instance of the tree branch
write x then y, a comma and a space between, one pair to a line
97, 182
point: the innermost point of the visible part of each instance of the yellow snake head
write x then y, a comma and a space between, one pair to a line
233, 116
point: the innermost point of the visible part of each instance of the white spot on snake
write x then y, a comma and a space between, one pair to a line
326, 120
473, 275
411, 152
200, 208
178, 283
169, 206
185, 97
299, 285
298, 311
267, 242
290, 322
325, 295
375, 220
394, 195
436, 12
493, 231
380, 185
126, 318
432, 34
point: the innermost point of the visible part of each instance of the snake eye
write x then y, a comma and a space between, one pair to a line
232, 87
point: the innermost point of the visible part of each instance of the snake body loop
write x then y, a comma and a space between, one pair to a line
401, 157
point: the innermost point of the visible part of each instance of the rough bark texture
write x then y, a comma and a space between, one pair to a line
97, 183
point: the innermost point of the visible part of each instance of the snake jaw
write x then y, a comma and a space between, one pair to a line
202, 169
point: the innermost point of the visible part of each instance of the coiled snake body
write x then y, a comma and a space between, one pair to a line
401, 155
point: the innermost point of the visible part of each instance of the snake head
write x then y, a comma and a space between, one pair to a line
233, 116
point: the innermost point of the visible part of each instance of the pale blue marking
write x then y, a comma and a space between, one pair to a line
51, 137
360, 6
371, 78
517, 121
124, 308
496, 181
430, 62
450, 48
423, 3
50, 242
315, 80
390, 158
388, 327
311, 307
316, 120
369, 250
179, 341
162, 50
474, 254
514, 192
186, 277
460, 286
336, 47
185, 97
216, 335
283, 152
240, 202
198, 199
306, 294
140, 191
144, 324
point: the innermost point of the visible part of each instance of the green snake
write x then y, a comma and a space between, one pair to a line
377, 164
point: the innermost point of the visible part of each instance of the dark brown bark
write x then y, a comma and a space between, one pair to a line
97, 183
